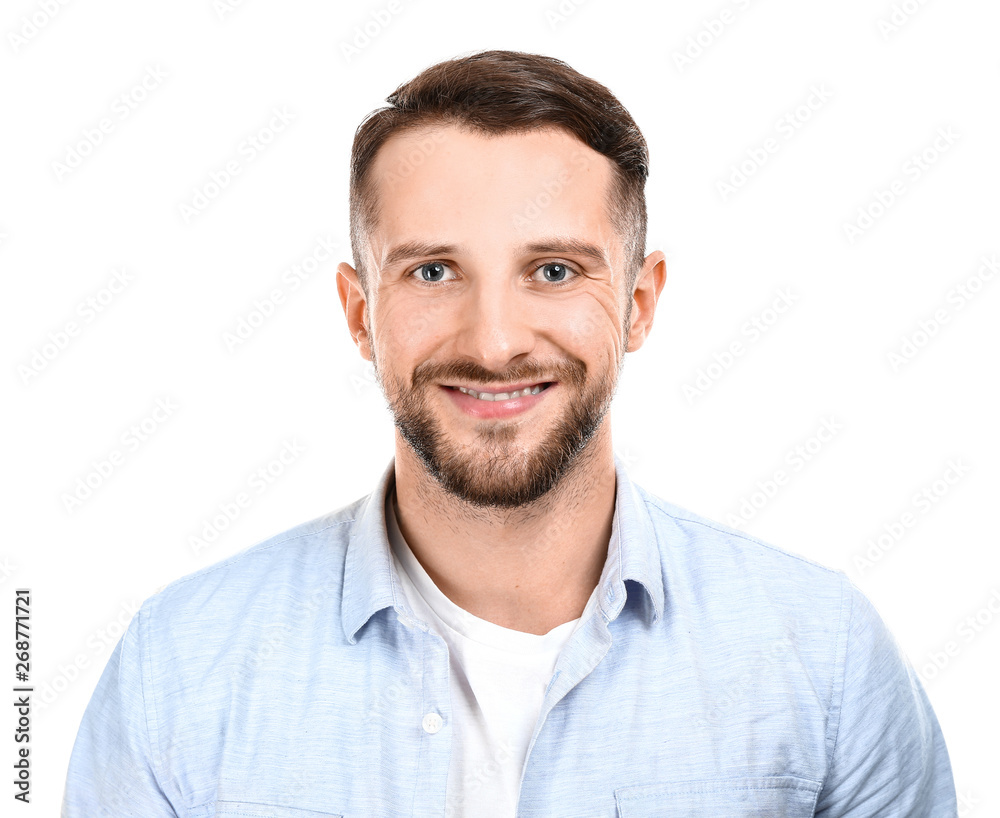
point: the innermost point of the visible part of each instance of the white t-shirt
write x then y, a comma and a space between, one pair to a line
498, 680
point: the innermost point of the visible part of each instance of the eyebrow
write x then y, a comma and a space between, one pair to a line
417, 249
556, 245
559, 245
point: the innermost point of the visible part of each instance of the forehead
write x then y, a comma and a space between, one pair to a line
449, 184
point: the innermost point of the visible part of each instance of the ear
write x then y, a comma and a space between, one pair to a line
648, 284
355, 304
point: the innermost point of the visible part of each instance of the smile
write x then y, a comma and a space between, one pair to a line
486, 405
495, 396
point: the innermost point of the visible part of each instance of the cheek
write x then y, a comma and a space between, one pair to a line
410, 327
590, 328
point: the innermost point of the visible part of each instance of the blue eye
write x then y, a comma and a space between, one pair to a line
434, 270
555, 273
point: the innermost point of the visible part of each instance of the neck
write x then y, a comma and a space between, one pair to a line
530, 568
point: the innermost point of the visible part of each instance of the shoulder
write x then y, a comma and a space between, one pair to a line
271, 576
709, 560
717, 543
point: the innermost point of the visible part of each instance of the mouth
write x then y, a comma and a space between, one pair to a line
488, 405
495, 394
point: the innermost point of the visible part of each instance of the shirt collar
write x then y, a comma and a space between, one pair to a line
371, 582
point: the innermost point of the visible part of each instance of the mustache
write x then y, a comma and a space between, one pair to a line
572, 371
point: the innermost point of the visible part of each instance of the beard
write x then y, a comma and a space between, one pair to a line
495, 471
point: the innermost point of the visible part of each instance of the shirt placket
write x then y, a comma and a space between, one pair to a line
581, 654
434, 728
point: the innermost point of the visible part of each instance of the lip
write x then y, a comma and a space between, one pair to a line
474, 407
503, 387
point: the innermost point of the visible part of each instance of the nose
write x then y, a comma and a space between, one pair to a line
495, 324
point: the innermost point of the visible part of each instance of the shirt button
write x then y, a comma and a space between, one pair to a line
432, 723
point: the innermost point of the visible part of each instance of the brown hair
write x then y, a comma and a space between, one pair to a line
497, 92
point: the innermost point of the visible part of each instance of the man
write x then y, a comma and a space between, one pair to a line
507, 625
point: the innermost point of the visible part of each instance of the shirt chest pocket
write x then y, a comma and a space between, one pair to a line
235, 809
781, 796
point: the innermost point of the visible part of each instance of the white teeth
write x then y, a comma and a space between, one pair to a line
501, 395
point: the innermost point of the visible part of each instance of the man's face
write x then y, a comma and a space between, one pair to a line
494, 266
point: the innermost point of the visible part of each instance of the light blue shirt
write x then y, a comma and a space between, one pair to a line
718, 676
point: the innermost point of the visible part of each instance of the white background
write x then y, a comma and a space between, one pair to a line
63, 231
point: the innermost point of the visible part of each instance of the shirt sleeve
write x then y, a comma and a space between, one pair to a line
113, 769
888, 756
